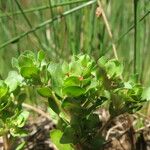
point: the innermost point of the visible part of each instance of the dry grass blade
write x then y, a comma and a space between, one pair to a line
108, 28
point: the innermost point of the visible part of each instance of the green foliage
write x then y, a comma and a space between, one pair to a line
44, 91
28, 65
112, 67
13, 81
54, 105
75, 90
55, 137
20, 146
12, 116
3, 89
68, 36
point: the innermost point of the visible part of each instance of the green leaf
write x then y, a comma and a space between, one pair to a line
29, 72
21, 146
114, 68
54, 105
15, 63
4, 103
53, 115
118, 68
86, 82
72, 105
84, 59
65, 67
3, 89
93, 121
41, 55
127, 85
13, 80
146, 94
65, 117
74, 91
29, 54
57, 77
75, 68
72, 81
102, 61
21, 119
55, 138
18, 132
90, 70
44, 91
110, 68
24, 61
93, 85
69, 136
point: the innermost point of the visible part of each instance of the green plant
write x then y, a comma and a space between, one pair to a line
12, 116
74, 90
88, 34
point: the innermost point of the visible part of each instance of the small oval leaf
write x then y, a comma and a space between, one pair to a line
74, 91
44, 91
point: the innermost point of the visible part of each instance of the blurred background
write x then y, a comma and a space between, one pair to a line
65, 27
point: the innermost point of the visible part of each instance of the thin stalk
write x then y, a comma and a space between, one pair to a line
53, 27
43, 31
92, 27
135, 37
132, 26
37, 110
18, 26
130, 29
43, 8
29, 24
66, 13
144, 48
14, 26
108, 28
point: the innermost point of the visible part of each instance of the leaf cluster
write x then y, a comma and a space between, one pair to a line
74, 90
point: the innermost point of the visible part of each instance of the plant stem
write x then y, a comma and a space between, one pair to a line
37, 110
108, 29
29, 24
14, 26
53, 27
32, 10
130, 29
135, 36
6, 143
